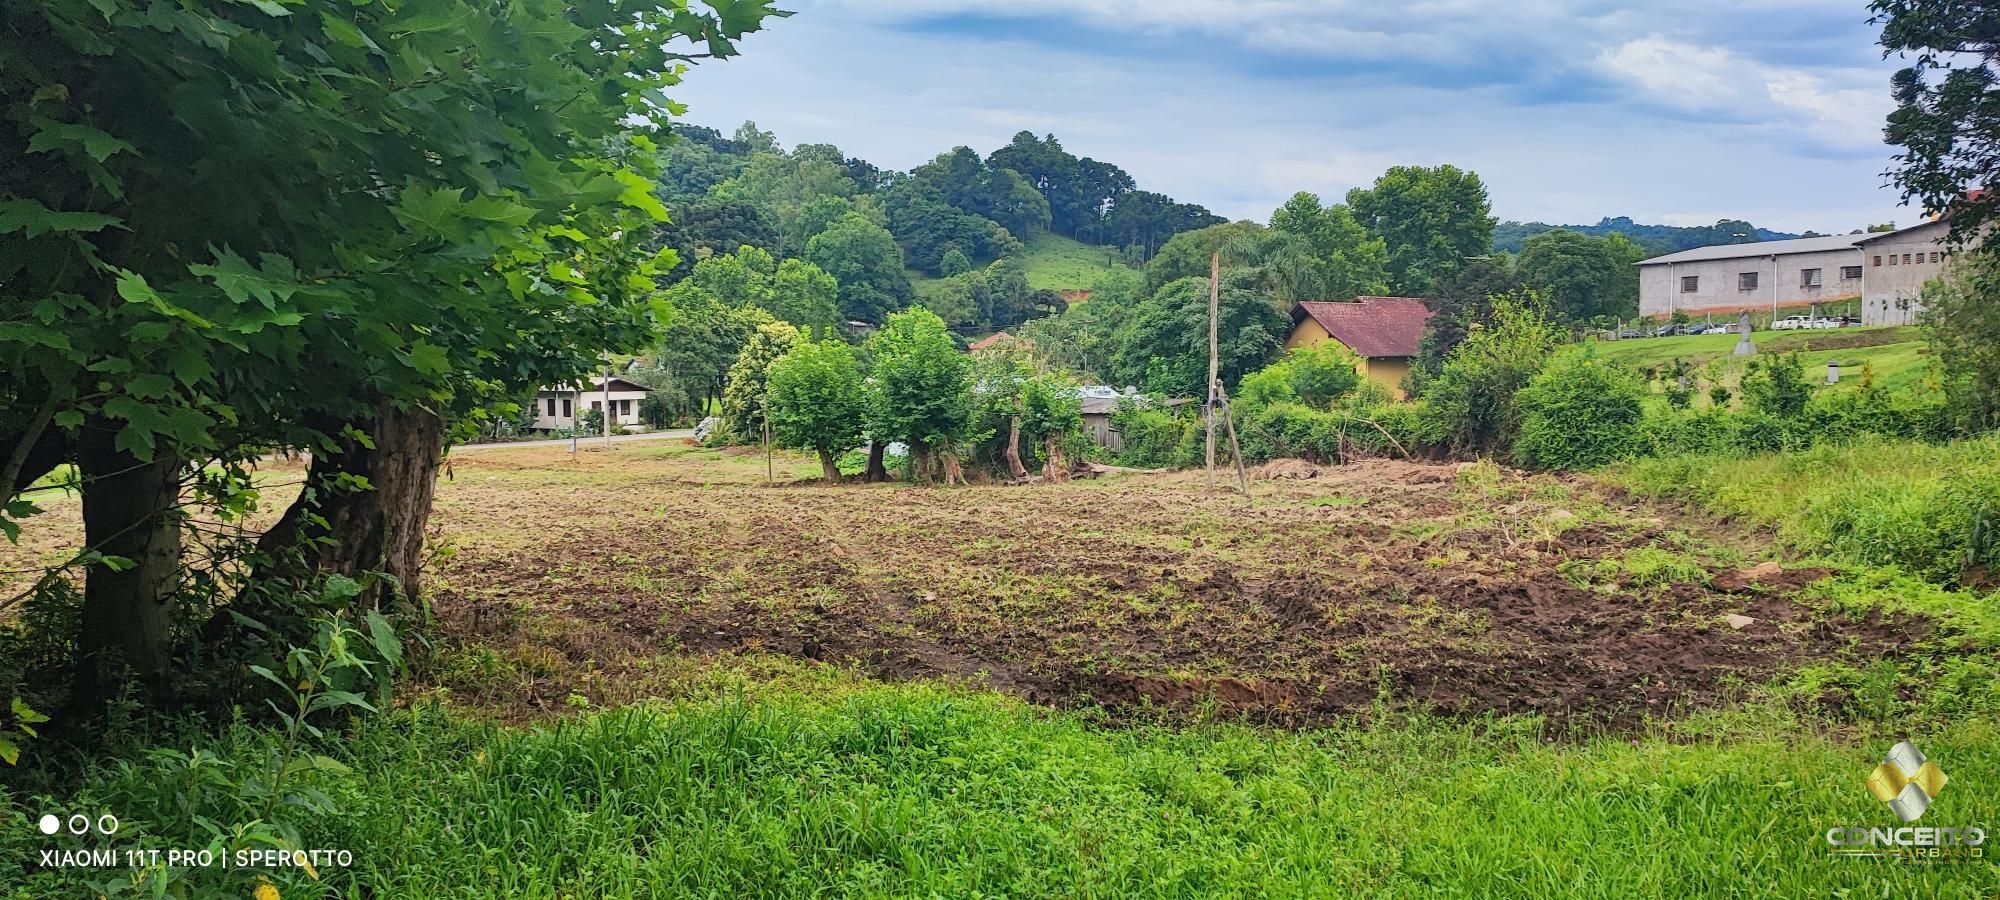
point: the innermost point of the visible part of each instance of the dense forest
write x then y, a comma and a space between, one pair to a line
1654, 239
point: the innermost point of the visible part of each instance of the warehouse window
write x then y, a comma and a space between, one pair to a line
1746, 281
1849, 273
1690, 283
1809, 278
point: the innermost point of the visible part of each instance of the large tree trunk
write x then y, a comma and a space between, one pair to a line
920, 461
828, 467
876, 472
130, 510
1014, 466
378, 529
1054, 468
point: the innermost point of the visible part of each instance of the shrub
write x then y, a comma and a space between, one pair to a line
1152, 436
1322, 373
1579, 413
1266, 386
1471, 402
1776, 386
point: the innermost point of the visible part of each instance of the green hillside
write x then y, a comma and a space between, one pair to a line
1062, 264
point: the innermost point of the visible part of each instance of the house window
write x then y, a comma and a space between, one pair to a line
552, 406
1878, 260
1892, 259
1746, 281
1849, 273
597, 405
1809, 278
1906, 259
624, 408
1936, 256
568, 411
1690, 283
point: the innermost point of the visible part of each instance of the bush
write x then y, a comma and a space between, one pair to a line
1776, 386
1471, 401
1153, 436
1579, 413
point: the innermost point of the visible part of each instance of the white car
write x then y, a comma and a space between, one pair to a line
1792, 323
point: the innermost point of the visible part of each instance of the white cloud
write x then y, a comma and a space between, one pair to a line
1220, 129
1700, 79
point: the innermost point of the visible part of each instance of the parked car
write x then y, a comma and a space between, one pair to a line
1630, 333
1828, 323
1728, 328
1672, 330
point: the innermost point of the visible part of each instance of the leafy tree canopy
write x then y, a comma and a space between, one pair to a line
1163, 346
1431, 219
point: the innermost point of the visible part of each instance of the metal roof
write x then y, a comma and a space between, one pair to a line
1759, 248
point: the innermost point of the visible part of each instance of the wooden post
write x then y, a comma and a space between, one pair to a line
1208, 407
769, 475
1235, 448
607, 408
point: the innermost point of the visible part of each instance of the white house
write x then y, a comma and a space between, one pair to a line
560, 406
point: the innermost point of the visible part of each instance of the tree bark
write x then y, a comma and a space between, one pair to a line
829, 468
1014, 466
378, 529
130, 510
920, 461
876, 472
1054, 469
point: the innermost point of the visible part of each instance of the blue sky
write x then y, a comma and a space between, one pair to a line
1680, 112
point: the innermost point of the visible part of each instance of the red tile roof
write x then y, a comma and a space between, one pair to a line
1371, 326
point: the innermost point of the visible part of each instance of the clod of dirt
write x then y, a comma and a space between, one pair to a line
1285, 468
1738, 621
1768, 576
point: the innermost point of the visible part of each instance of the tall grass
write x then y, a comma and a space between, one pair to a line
913, 791
1933, 510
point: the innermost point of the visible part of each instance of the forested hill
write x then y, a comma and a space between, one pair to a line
962, 218
1654, 239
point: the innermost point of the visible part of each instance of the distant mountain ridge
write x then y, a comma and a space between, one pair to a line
1655, 239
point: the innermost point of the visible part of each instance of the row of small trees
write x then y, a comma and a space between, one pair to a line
908, 383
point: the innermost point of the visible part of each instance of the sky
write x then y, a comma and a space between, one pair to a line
1670, 111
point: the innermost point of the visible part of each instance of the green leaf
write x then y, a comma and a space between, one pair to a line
25, 713
428, 358
150, 386
34, 220
53, 135
638, 194
345, 32
9, 753
272, 677
69, 418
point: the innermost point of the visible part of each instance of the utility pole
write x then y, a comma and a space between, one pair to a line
607, 407
1208, 408
578, 391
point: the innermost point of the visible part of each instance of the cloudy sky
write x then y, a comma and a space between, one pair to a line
1679, 112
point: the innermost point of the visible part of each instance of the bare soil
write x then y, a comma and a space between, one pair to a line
1463, 589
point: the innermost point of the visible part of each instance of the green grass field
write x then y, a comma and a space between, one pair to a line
832, 787
1062, 264
1898, 355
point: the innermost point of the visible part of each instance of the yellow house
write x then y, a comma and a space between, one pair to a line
1385, 332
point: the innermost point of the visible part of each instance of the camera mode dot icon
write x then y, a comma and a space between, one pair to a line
50, 823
